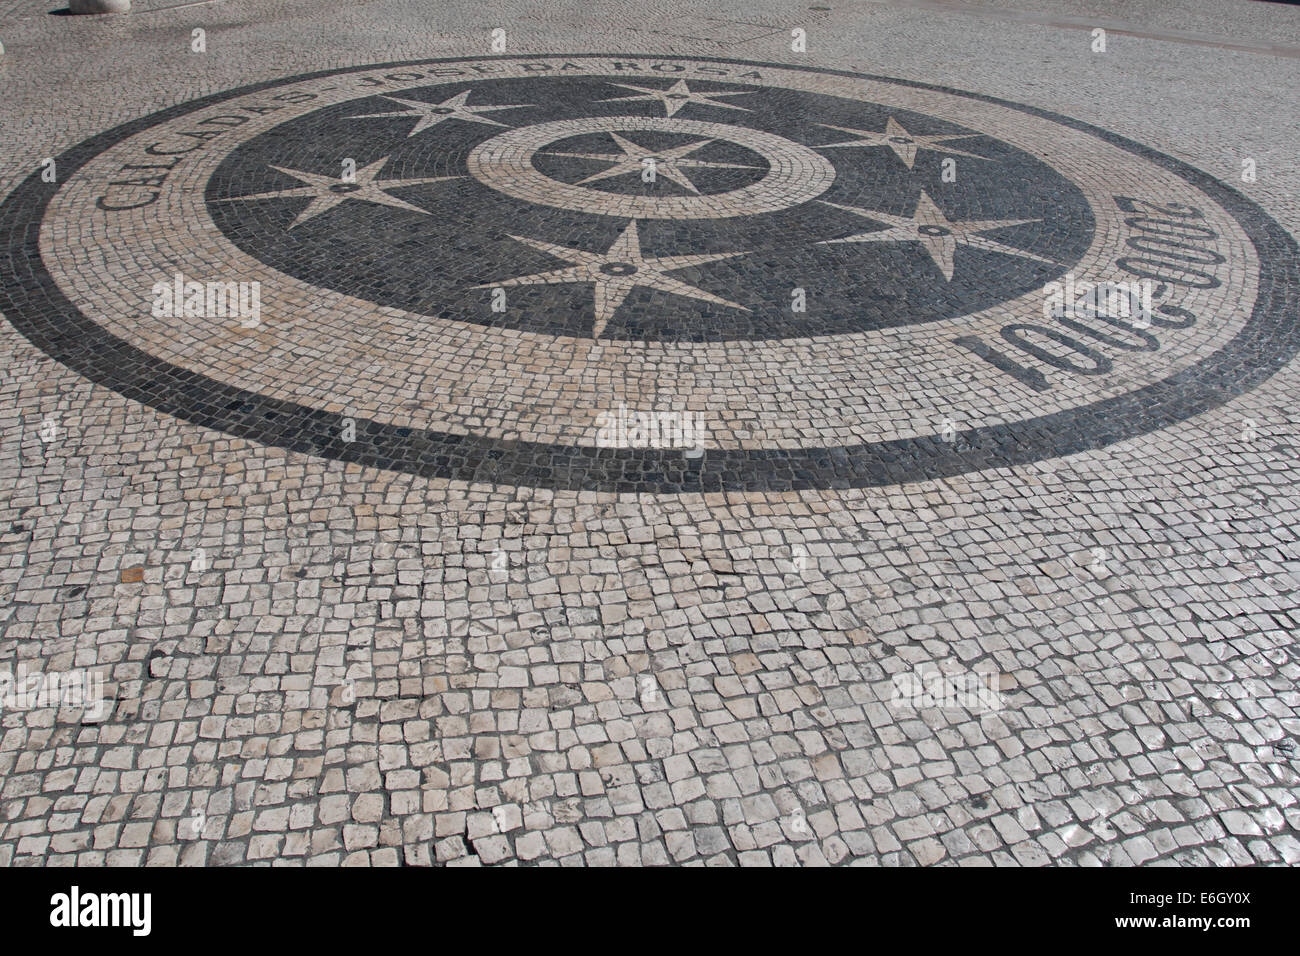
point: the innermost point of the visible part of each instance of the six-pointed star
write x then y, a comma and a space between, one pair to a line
330, 191
623, 267
903, 143
667, 162
617, 272
431, 114
676, 96
937, 234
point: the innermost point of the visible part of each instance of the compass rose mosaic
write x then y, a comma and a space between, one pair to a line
461, 269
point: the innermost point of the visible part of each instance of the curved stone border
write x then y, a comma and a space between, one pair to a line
796, 174
36, 306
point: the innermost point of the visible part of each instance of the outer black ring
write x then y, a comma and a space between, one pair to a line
37, 308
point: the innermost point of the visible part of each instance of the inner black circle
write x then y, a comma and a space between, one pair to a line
572, 160
618, 268
933, 231
442, 262
345, 188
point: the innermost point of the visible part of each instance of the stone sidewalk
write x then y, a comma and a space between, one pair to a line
927, 597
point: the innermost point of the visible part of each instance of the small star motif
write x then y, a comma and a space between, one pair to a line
617, 272
431, 114
938, 235
903, 143
676, 97
330, 191
667, 162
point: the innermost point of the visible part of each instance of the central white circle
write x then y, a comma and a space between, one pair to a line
796, 174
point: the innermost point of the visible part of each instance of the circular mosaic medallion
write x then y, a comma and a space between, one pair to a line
515, 163
647, 274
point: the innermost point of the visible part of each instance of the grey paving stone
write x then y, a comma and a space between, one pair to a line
941, 589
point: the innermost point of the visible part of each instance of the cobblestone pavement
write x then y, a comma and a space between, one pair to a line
850, 433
